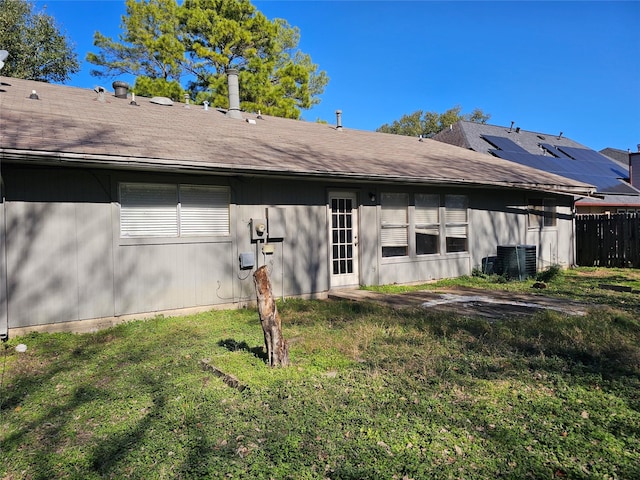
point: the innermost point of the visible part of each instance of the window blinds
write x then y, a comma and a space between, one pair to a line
427, 214
171, 210
148, 210
204, 210
456, 216
394, 219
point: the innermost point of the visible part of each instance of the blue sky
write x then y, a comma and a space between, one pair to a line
548, 66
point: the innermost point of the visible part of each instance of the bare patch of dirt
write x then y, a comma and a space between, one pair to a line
468, 302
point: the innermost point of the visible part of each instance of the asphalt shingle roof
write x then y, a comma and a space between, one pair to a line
69, 124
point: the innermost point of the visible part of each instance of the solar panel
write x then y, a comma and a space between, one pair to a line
599, 175
554, 151
606, 185
590, 156
504, 144
605, 165
584, 165
548, 164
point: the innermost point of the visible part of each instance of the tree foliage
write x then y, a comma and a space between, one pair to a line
429, 123
163, 42
37, 49
148, 46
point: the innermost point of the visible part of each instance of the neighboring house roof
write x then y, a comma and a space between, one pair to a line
620, 156
72, 126
620, 201
549, 153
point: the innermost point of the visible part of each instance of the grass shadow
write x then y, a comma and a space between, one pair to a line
234, 346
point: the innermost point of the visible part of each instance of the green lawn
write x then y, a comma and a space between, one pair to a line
372, 393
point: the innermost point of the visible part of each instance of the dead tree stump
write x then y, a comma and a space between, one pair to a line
277, 347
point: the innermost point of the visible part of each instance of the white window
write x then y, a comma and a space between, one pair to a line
394, 224
542, 212
456, 223
204, 210
172, 210
427, 223
148, 210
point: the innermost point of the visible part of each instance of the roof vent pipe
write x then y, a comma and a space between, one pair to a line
338, 119
234, 94
120, 89
3, 56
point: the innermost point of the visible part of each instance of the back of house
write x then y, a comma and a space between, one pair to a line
115, 209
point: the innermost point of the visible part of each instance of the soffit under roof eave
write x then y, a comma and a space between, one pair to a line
157, 164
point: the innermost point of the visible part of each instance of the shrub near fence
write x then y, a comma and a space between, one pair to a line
608, 240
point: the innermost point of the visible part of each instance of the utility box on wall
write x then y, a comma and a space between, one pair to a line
277, 223
247, 261
258, 229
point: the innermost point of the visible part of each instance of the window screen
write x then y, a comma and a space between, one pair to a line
456, 223
427, 223
204, 210
171, 210
542, 212
394, 224
148, 210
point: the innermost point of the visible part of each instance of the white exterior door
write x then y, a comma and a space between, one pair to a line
343, 238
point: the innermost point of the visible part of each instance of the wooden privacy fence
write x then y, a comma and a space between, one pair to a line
608, 240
